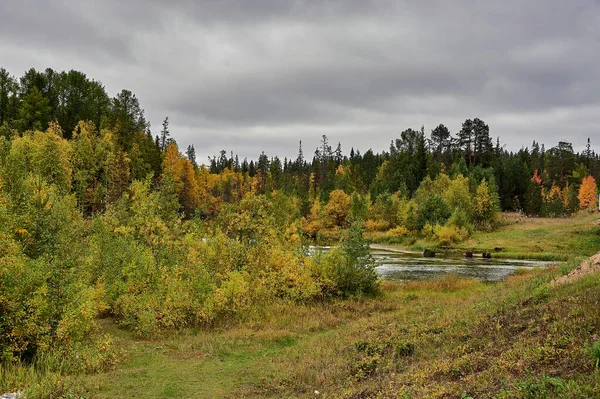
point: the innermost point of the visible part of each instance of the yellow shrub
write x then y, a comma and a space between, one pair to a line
399, 231
428, 231
234, 296
376, 225
450, 234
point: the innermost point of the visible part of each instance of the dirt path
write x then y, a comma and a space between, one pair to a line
588, 266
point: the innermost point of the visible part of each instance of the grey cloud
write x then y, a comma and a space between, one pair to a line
261, 75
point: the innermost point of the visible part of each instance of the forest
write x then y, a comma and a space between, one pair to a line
101, 218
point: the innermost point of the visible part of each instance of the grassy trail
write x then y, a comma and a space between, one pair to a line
289, 348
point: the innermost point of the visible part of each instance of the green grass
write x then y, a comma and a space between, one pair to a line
555, 239
436, 339
519, 237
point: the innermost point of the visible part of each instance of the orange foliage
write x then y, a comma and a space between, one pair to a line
587, 192
536, 177
554, 192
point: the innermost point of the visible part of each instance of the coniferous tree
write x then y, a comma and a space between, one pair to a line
191, 155
441, 141
8, 96
165, 134
126, 117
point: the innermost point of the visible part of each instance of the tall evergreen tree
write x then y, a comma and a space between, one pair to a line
165, 134
126, 117
191, 155
8, 96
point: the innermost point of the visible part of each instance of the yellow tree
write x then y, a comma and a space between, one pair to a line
487, 209
190, 192
338, 207
173, 166
587, 193
42, 154
314, 222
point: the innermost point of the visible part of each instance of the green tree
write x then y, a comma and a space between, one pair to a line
8, 97
34, 111
433, 210
355, 270
359, 208
441, 142
126, 118
487, 207
191, 155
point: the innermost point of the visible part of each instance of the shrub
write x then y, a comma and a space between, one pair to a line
350, 267
461, 220
593, 350
450, 234
376, 225
433, 210
399, 231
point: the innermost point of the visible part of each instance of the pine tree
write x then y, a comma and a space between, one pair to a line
441, 140
338, 154
191, 155
164, 135
300, 158
465, 140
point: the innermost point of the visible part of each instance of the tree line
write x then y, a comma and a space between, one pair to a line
524, 180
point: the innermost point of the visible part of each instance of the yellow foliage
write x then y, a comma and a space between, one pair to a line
450, 234
338, 207
233, 296
315, 221
399, 231
376, 225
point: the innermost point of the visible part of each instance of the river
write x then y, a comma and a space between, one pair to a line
398, 265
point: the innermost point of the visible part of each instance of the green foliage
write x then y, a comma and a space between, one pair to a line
349, 268
533, 199
487, 205
433, 210
359, 207
542, 387
593, 350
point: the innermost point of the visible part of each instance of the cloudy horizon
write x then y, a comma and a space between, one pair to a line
260, 76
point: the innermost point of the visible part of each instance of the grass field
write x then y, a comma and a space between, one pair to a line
521, 237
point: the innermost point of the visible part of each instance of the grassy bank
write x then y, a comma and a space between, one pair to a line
521, 237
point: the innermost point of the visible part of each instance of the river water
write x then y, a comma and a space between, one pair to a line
396, 265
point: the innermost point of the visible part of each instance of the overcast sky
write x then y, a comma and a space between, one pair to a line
260, 75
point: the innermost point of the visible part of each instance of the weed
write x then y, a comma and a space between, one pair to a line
593, 350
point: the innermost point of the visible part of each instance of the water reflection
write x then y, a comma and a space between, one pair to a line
392, 265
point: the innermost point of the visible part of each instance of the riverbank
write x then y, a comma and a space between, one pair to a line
520, 237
